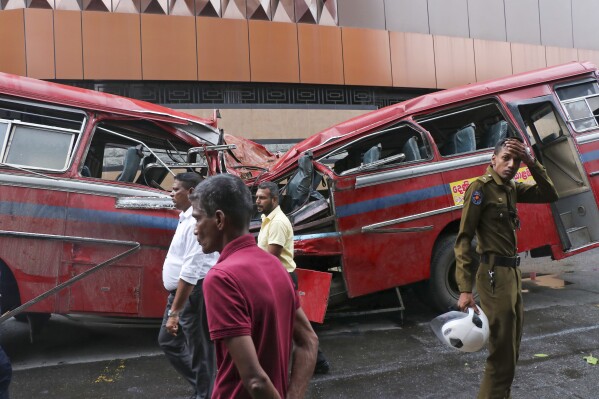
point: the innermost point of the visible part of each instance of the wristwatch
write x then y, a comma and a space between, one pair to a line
172, 313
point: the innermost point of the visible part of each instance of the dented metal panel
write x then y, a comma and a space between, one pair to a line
313, 289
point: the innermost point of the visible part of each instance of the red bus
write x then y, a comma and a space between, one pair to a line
375, 201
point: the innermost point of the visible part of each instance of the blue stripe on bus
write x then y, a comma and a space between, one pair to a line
590, 156
392, 200
32, 210
21, 209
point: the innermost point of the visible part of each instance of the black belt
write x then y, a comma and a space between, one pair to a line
497, 260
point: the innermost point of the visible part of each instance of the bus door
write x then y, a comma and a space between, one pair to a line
576, 213
386, 201
580, 104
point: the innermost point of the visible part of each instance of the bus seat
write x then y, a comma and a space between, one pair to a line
372, 155
496, 132
461, 141
300, 185
151, 176
411, 151
130, 164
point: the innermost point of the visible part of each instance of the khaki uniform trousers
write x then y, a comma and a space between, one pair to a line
503, 307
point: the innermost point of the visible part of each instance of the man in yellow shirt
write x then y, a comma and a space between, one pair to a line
276, 232
276, 237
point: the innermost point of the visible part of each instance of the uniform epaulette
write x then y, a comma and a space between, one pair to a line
485, 178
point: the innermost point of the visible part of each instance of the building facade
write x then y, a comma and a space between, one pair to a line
281, 70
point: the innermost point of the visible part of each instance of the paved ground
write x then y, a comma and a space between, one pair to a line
373, 356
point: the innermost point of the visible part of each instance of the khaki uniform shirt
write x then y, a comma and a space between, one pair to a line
490, 213
276, 229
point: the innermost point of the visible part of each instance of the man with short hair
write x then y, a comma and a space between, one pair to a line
254, 313
184, 335
276, 237
276, 232
490, 213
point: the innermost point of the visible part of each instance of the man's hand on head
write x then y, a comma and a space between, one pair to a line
518, 149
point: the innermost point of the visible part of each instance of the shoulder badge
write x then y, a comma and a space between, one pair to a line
477, 197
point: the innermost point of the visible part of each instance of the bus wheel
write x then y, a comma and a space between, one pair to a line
443, 291
9, 290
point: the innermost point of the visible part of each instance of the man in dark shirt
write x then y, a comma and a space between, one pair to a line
254, 315
490, 213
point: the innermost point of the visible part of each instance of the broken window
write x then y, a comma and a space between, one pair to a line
581, 103
139, 152
391, 146
467, 129
545, 124
38, 137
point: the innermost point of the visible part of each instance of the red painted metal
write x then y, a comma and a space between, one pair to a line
374, 261
327, 246
313, 290
33, 89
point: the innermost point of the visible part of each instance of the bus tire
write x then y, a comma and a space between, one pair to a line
443, 292
9, 290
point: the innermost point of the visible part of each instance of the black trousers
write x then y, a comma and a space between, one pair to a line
191, 352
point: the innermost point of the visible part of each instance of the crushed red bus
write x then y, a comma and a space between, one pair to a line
375, 201
84, 176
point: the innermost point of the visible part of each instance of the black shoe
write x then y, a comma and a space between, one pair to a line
322, 367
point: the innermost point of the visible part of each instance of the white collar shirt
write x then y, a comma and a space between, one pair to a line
185, 259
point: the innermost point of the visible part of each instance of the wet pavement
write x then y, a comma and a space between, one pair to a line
373, 356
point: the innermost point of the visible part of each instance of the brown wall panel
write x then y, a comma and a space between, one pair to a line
588, 55
111, 46
320, 54
12, 44
68, 45
527, 57
366, 57
412, 60
168, 47
454, 61
492, 59
223, 49
273, 52
560, 55
39, 43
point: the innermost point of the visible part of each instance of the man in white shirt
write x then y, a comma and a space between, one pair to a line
184, 335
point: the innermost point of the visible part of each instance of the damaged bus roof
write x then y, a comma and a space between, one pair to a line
56, 93
328, 138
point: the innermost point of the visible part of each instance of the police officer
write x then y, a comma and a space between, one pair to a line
490, 213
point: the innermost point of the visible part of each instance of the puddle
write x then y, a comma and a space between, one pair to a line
546, 280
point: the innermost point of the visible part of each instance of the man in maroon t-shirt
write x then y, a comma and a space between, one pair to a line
254, 316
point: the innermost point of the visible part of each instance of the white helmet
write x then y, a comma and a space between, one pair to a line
466, 332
